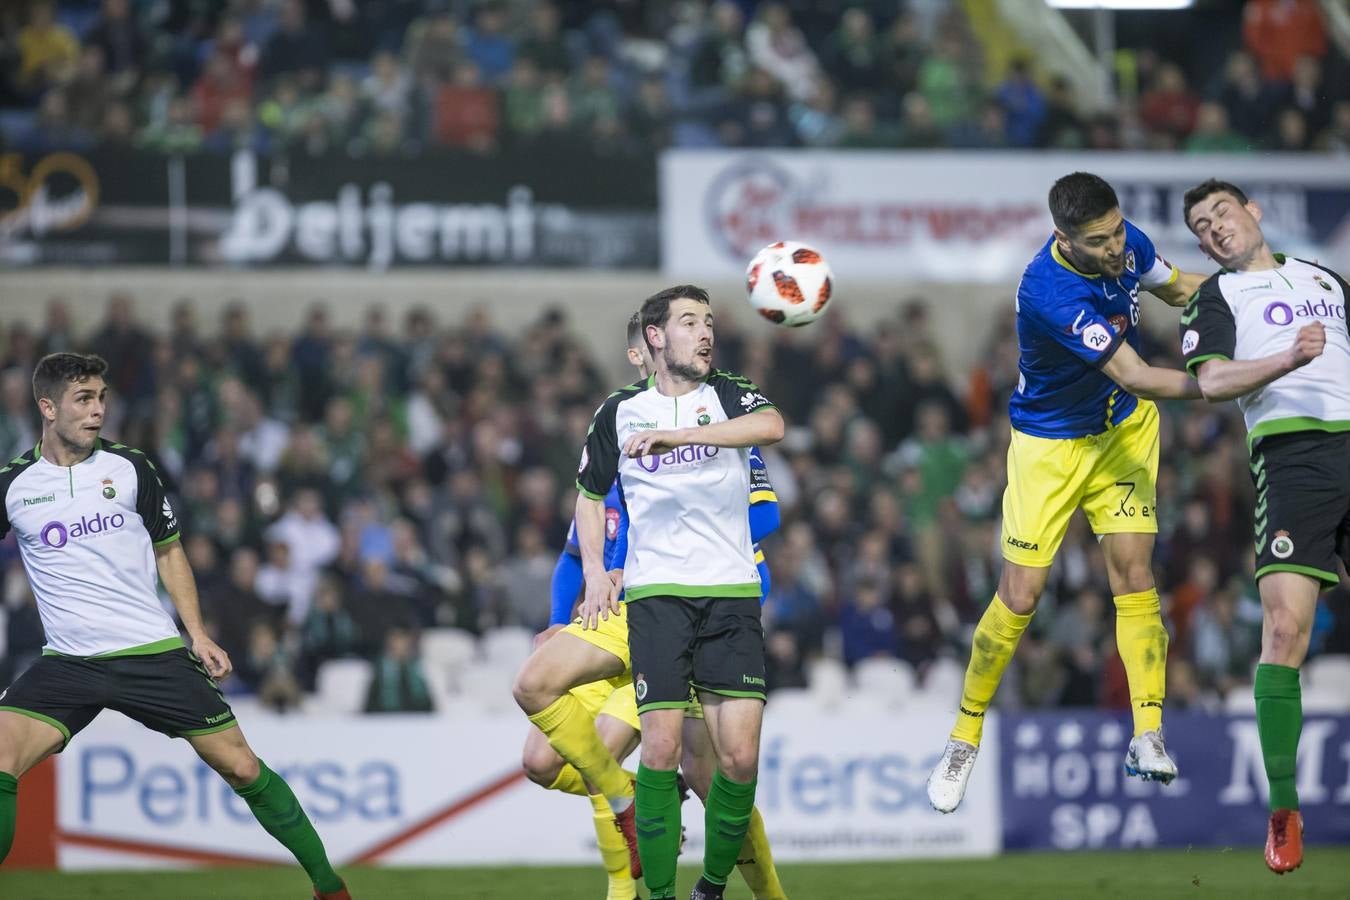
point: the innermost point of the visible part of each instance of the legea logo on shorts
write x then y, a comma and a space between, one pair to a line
57, 534
680, 456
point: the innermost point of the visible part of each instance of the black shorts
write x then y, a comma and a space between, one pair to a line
1302, 515
169, 692
714, 644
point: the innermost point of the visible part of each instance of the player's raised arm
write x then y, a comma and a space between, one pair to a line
764, 427
1179, 291
1227, 379
1127, 369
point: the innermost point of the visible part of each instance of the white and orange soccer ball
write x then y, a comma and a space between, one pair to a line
789, 283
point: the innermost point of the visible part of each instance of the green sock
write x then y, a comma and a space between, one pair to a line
658, 829
276, 809
1279, 720
726, 820
9, 810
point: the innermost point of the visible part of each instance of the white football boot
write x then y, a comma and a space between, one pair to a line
1147, 759
947, 784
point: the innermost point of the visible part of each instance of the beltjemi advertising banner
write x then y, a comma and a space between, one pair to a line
448, 789
1064, 787
563, 208
965, 217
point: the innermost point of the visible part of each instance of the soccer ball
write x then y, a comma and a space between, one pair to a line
789, 283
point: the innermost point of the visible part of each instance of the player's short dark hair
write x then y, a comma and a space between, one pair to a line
55, 373
1079, 198
1204, 189
656, 308
635, 339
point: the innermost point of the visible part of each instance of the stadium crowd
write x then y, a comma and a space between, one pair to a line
342, 491
402, 77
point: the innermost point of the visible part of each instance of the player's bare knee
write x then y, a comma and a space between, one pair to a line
660, 752
239, 769
542, 771
1286, 637
740, 764
532, 691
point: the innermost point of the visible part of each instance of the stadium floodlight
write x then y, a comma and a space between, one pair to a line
1124, 5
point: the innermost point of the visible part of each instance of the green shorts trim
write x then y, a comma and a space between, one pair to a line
149, 649
1328, 579
753, 695
224, 726
65, 732
670, 704
696, 591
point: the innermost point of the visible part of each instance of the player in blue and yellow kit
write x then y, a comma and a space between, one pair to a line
1084, 434
579, 692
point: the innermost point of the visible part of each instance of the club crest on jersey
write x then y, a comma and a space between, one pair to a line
611, 523
109, 492
703, 417
1118, 323
1283, 545
1321, 282
1129, 261
585, 458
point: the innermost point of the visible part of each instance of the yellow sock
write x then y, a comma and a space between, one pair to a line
613, 851
995, 642
756, 862
1142, 642
569, 781
572, 733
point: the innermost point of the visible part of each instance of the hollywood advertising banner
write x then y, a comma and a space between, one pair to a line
964, 217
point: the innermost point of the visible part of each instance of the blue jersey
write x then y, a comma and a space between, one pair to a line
1068, 326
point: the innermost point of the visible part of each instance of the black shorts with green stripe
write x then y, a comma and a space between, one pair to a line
713, 644
169, 692
1302, 513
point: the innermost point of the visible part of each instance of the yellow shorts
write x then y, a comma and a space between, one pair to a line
611, 699
615, 696
611, 696
1113, 476
611, 636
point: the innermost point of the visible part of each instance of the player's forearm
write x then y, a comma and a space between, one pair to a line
1228, 379
1179, 292
762, 427
591, 535
1152, 383
176, 574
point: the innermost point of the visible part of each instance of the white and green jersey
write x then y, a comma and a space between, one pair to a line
87, 535
689, 527
1250, 315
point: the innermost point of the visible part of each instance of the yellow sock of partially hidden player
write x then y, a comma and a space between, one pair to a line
569, 781
756, 862
572, 733
613, 851
1141, 639
995, 642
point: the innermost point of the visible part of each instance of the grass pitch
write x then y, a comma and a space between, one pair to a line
1156, 875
